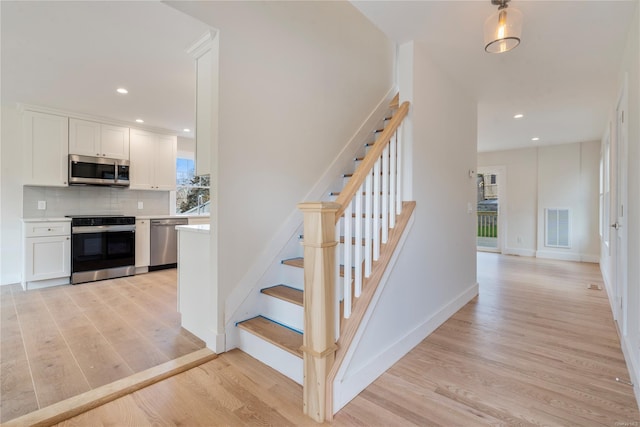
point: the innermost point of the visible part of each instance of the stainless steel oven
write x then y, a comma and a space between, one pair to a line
102, 247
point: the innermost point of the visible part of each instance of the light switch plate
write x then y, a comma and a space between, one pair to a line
42, 205
140, 205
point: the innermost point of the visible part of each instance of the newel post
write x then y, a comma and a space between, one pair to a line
319, 344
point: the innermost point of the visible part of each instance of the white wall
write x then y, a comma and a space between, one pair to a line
11, 194
296, 81
557, 176
435, 273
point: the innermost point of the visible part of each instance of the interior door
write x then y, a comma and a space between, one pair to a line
619, 215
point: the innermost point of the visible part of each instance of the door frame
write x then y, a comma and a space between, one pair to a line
618, 237
501, 173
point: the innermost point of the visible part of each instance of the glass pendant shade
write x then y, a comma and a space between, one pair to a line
502, 30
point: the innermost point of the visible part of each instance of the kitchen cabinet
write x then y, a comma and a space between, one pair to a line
206, 52
142, 245
153, 161
46, 149
89, 138
47, 254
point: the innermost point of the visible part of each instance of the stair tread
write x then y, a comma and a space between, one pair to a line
275, 333
299, 262
285, 293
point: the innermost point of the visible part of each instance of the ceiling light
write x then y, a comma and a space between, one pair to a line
186, 130
535, 138
122, 90
502, 29
518, 116
139, 120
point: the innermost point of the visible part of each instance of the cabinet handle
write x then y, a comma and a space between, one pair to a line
97, 154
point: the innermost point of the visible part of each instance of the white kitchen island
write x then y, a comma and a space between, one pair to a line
197, 298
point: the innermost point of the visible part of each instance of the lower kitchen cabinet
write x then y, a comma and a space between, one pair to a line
143, 244
47, 249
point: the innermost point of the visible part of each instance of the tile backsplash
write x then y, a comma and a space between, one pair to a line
90, 200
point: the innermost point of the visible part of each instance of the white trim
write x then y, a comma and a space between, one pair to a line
519, 252
590, 258
632, 367
203, 44
345, 389
563, 256
290, 227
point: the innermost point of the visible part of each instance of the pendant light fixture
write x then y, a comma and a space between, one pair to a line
502, 30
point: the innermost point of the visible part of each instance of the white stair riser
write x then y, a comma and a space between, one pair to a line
283, 312
291, 276
271, 355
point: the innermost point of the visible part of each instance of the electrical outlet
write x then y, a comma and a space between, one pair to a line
42, 205
140, 205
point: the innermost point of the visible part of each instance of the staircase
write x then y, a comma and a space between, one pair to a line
275, 336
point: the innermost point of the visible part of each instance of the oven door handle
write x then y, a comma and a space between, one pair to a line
103, 229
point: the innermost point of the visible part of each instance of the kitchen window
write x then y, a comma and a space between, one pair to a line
192, 191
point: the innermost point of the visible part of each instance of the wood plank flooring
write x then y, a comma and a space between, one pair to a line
536, 347
59, 342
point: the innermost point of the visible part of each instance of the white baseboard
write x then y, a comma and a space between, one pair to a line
566, 256
346, 388
519, 252
632, 367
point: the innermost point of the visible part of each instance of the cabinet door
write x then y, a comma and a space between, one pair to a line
143, 242
47, 257
84, 138
165, 163
46, 149
142, 152
115, 142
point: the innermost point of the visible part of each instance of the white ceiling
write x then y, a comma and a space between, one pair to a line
563, 76
72, 55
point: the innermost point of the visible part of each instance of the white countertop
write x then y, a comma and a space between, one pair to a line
196, 228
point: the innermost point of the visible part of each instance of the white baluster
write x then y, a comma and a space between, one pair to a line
376, 209
392, 181
367, 224
358, 242
399, 135
385, 194
348, 213
337, 293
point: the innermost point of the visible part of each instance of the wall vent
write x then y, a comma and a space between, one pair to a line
557, 228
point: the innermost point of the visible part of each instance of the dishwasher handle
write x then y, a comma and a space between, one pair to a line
168, 222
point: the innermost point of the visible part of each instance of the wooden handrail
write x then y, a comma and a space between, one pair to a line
347, 193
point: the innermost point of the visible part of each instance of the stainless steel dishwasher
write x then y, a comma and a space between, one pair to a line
164, 242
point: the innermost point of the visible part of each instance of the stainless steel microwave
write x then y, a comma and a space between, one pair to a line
86, 170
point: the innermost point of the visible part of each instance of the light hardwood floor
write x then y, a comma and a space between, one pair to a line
58, 342
536, 347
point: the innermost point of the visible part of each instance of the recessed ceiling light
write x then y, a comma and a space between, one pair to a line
186, 130
122, 90
535, 138
139, 120
518, 116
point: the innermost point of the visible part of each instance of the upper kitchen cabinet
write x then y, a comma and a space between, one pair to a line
206, 51
46, 149
88, 138
153, 161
